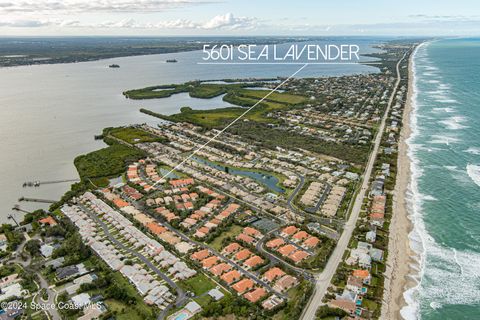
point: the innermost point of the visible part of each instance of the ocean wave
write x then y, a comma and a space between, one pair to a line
451, 275
448, 276
444, 86
454, 123
459, 175
473, 172
445, 100
473, 150
444, 139
430, 68
437, 91
442, 110
427, 197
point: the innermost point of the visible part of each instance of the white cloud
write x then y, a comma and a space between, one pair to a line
229, 21
24, 23
69, 6
221, 22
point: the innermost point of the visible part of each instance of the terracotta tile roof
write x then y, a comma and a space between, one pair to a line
243, 285
275, 243
155, 228
253, 261
301, 235
361, 273
255, 295
232, 247
298, 255
231, 276
243, 254
181, 182
200, 255
245, 238
215, 221
219, 269
273, 273
289, 230
120, 203
232, 207
252, 232
311, 242
287, 249
204, 230
48, 220
377, 216
209, 262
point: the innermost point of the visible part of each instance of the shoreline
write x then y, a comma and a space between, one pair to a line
401, 256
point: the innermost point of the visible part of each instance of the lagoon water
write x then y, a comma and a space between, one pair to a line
50, 113
445, 191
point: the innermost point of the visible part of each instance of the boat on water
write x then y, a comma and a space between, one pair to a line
114, 66
172, 60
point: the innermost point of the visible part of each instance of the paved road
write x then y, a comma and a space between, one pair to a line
51, 297
181, 294
218, 254
272, 257
326, 221
42, 282
324, 278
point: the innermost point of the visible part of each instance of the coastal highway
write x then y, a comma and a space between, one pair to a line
325, 277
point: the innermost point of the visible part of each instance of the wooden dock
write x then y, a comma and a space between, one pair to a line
39, 183
35, 200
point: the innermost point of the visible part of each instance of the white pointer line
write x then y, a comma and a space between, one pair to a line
229, 125
288, 63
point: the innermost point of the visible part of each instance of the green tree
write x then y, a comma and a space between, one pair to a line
33, 247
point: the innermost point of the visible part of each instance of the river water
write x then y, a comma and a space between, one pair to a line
50, 113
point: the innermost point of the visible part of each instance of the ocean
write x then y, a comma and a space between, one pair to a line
444, 195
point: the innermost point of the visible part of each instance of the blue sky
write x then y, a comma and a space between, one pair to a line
247, 17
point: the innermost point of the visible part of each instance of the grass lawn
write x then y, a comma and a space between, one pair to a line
198, 284
279, 97
140, 310
233, 231
235, 94
132, 135
203, 300
40, 316
122, 310
370, 305
297, 297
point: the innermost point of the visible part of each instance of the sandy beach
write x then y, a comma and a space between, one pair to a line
399, 251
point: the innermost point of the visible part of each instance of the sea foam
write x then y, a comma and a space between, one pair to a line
473, 172
454, 123
473, 150
449, 276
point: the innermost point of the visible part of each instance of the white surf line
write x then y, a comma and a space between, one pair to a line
229, 125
